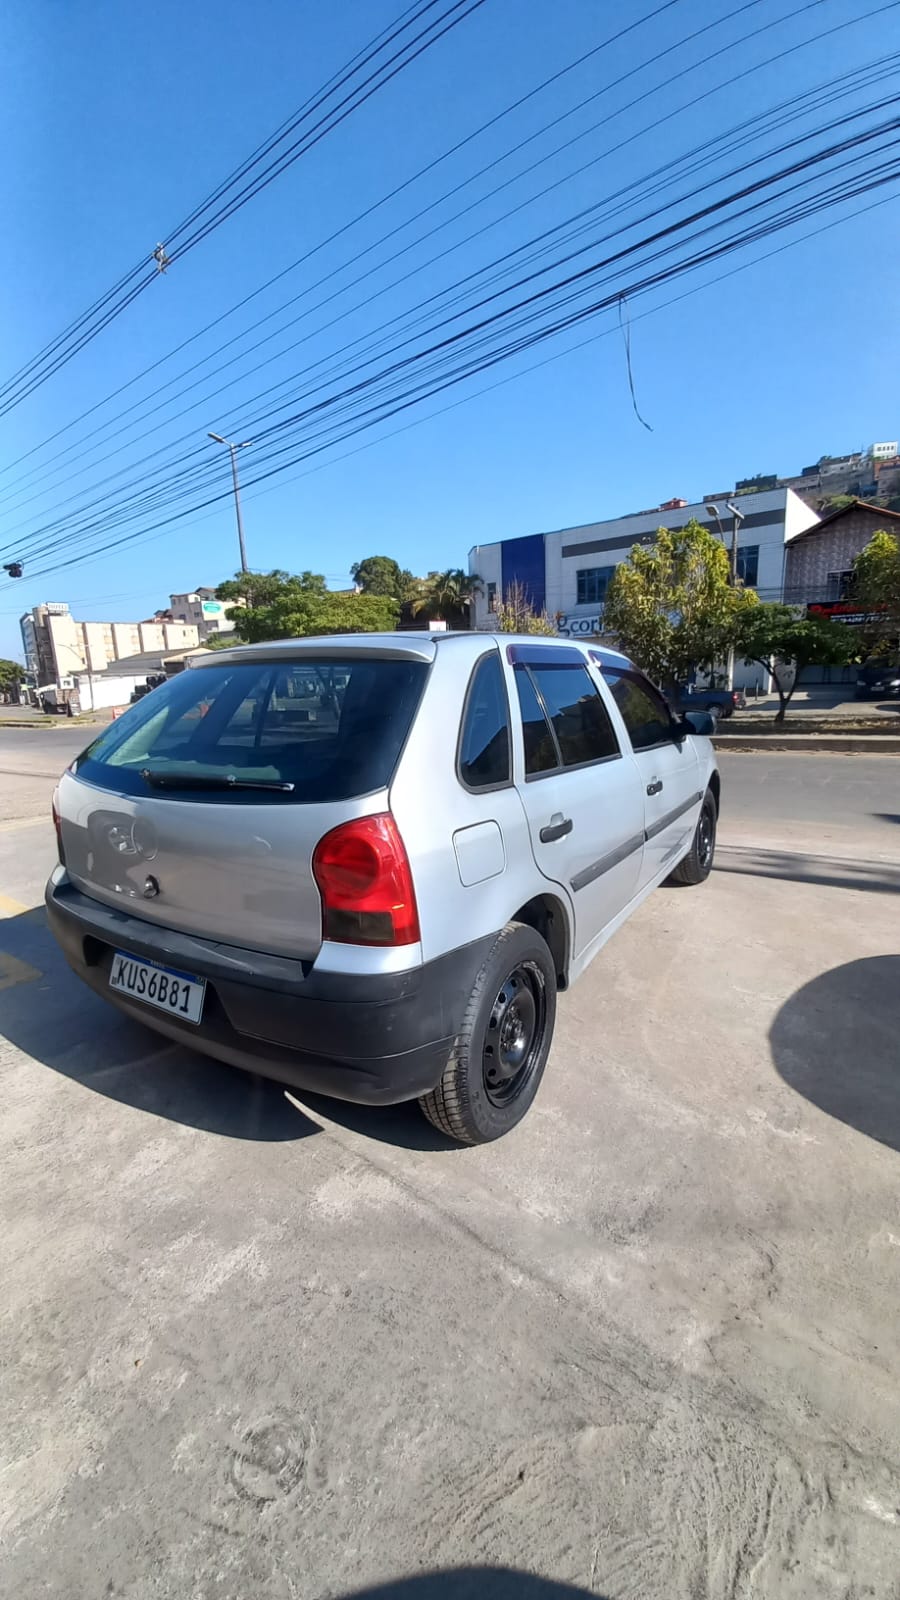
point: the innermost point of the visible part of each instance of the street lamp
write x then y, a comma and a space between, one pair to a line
233, 449
737, 518
713, 511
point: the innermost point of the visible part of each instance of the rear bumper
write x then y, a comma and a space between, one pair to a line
375, 1039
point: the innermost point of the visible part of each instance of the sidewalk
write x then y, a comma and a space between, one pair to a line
836, 702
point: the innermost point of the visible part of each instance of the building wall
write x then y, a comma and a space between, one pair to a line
152, 636
770, 518
98, 644
201, 608
66, 645
811, 560
181, 635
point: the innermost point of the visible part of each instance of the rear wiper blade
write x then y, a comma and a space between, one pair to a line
187, 780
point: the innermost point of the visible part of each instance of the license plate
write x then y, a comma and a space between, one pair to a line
178, 993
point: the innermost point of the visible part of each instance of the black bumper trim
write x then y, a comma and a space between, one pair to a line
375, 1039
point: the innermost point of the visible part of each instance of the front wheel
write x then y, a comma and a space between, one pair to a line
696, 866
498, 1057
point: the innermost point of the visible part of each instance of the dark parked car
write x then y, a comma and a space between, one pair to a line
876, 679
721, 702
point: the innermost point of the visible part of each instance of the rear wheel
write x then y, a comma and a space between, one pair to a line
500, 1052
697, 864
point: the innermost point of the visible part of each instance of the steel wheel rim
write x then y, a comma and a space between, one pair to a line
705, 834
514, 1035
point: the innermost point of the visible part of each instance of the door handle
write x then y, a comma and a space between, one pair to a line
556, 828
655, 787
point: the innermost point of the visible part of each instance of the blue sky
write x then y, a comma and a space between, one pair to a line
116, 119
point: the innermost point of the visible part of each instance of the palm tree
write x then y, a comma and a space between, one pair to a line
446, 596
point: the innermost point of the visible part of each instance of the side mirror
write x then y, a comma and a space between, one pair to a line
699, 722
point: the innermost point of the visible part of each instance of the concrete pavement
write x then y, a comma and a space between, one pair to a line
258, 1347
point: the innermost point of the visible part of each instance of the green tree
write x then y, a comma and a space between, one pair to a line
11, 675
876, 589
516, 614
672, 605
446, 596
382, 575
784, 641
280, 606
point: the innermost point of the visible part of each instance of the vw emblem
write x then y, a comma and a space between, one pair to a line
136, 838
151, 887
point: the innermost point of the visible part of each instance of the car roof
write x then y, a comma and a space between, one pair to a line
393, 646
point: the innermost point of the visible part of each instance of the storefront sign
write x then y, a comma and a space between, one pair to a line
572, 627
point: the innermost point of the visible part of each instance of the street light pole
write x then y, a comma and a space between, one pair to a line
737, 518
233, 450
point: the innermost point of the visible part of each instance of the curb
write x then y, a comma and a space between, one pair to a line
872, 744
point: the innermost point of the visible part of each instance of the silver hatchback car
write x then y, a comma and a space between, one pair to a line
365, 865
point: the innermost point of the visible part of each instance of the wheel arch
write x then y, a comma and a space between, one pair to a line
547, 914
715, 788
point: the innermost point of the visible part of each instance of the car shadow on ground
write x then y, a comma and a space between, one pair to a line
799, 866
46, 1012
887, 816
837, 1042
474, 1583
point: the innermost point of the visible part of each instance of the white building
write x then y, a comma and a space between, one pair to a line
57, 646
203, 611
566, 572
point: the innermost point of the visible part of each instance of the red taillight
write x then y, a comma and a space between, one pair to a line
362, 871
57, 823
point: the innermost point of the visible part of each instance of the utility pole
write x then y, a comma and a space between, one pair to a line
233, 450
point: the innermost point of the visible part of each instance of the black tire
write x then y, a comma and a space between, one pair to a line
696, 866
486, 1089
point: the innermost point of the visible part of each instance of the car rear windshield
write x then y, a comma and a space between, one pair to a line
307, 730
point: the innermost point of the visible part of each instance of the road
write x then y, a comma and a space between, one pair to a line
645, 1346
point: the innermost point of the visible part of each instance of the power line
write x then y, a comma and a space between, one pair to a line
514, 377
91, 323
645, 187
810, 4
369, 210
521, 341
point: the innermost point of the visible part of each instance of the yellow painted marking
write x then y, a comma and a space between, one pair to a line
13, 971
11, 908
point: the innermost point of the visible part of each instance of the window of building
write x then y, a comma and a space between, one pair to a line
563, 716
492, 596
748, 565
484, 750
839, 585
593, 583
644, 711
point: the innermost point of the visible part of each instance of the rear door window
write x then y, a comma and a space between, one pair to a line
564, 720
541, 751
484, 749
577, 714
329, 729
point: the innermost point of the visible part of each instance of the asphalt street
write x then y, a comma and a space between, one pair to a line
259, 1348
